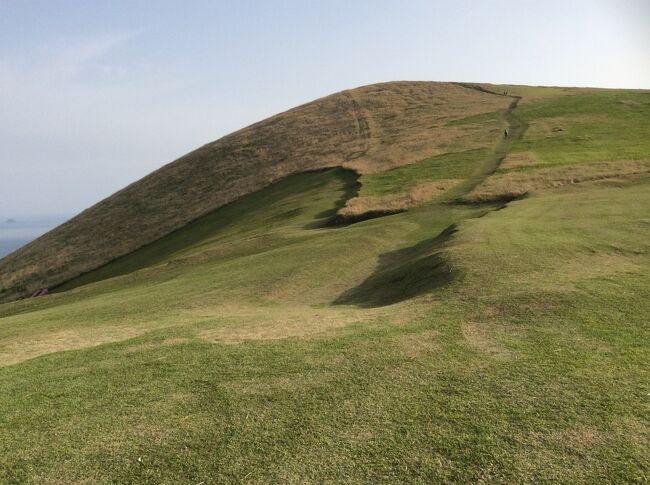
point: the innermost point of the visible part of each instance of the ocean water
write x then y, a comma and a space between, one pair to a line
16, 231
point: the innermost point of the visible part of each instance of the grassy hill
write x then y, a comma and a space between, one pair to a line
490, 326
369, 129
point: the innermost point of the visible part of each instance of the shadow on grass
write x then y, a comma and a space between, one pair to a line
272, 207
404, 274
327, 218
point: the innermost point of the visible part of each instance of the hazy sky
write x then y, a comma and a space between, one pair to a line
94, 95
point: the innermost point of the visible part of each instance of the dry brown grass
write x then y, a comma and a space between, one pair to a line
408, 122
358, 207
579, 437
418, 344
517, 184
21, 348
369, 129
480, 331
480, 336
153, 345
519, 160
235, 325
533, 94
581, 267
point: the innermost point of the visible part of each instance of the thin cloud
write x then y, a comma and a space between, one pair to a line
59, 60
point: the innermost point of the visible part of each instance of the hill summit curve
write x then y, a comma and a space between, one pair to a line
368, 129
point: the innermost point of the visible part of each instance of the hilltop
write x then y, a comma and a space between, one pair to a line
378, 286
368, 130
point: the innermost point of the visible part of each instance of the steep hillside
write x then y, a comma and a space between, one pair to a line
369, 129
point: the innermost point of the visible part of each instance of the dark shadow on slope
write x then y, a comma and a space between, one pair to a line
343, 221
270, 208
404, 274
332, 217
352, 187
496, 202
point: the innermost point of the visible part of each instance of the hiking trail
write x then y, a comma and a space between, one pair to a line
516, 129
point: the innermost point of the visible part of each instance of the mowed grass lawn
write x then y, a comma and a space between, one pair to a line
450, 166
576, 128
227, 361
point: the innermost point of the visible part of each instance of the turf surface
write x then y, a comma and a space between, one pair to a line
449, 343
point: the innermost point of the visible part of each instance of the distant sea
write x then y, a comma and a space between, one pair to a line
16, 231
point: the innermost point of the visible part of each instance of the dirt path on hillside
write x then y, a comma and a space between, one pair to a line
405, 283
365, 127
516, 129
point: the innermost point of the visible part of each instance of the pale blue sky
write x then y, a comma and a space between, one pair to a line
94, 95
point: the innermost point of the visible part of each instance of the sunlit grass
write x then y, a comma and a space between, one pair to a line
449, 343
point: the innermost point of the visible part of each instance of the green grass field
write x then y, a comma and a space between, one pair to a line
451, 166
588, 127
451, 343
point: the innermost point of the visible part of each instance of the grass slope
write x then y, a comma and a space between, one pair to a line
368, 129
588, 127
450, 166
452, 342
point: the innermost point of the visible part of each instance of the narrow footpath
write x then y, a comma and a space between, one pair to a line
516, 129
